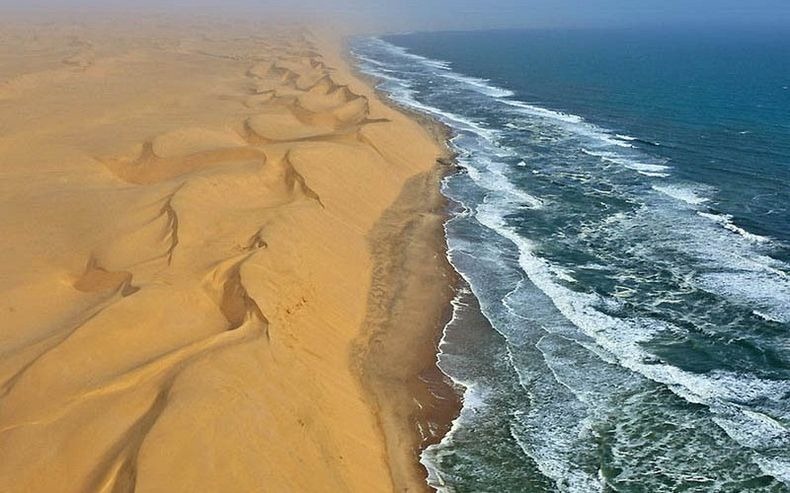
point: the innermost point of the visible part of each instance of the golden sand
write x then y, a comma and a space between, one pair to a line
210, 232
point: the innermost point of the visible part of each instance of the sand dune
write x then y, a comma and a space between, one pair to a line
191, 270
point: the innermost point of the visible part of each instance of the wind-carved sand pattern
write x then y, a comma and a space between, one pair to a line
191, 273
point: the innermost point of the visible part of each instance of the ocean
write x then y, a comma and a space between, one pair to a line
621, 219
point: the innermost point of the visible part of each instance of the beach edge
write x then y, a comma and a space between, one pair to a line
409, 306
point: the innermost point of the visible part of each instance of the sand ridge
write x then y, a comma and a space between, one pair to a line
186, 232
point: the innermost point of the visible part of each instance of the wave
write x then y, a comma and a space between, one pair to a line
754, 284
489, 173
628, 138
407, 54
594, 153
558, 469
405, 95
482, 86
360, 57
766, 317
575, 124
623, 338
780, 469
725, 220
646, 169
683, 193
652, 174
544, 112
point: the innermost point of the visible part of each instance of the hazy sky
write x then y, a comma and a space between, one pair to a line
548, 13
454, 14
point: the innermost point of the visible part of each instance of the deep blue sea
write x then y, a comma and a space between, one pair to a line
622, 220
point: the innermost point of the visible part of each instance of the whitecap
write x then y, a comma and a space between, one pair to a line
682, 193
778, 468
647, 169
725, 220
624, 337
753, 284
543, 112
482, 86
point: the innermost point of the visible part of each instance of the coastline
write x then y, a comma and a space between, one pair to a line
409, 307
225, 255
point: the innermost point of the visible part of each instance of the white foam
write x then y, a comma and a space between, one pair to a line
543, 112
659, 169
482, 86
472, 401
399, 50
769, 429
765, 316
654, 175
551, 464
382, 74
648, 169
600, 154
778, 468
578, 125
562, 274
623, 338
683, 193
369, 60
405, 95
575, 124
768, 292
485, 172
401, 92
490, 176
628, 138
725, 220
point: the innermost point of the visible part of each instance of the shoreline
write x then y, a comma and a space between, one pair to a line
415, 402
396, 358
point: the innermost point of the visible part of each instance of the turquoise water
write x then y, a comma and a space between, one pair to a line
622, 220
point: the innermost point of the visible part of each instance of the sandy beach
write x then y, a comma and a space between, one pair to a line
223, 266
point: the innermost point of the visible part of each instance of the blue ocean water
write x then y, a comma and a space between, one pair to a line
622, 221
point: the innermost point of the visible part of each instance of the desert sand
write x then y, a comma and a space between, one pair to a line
222, 263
